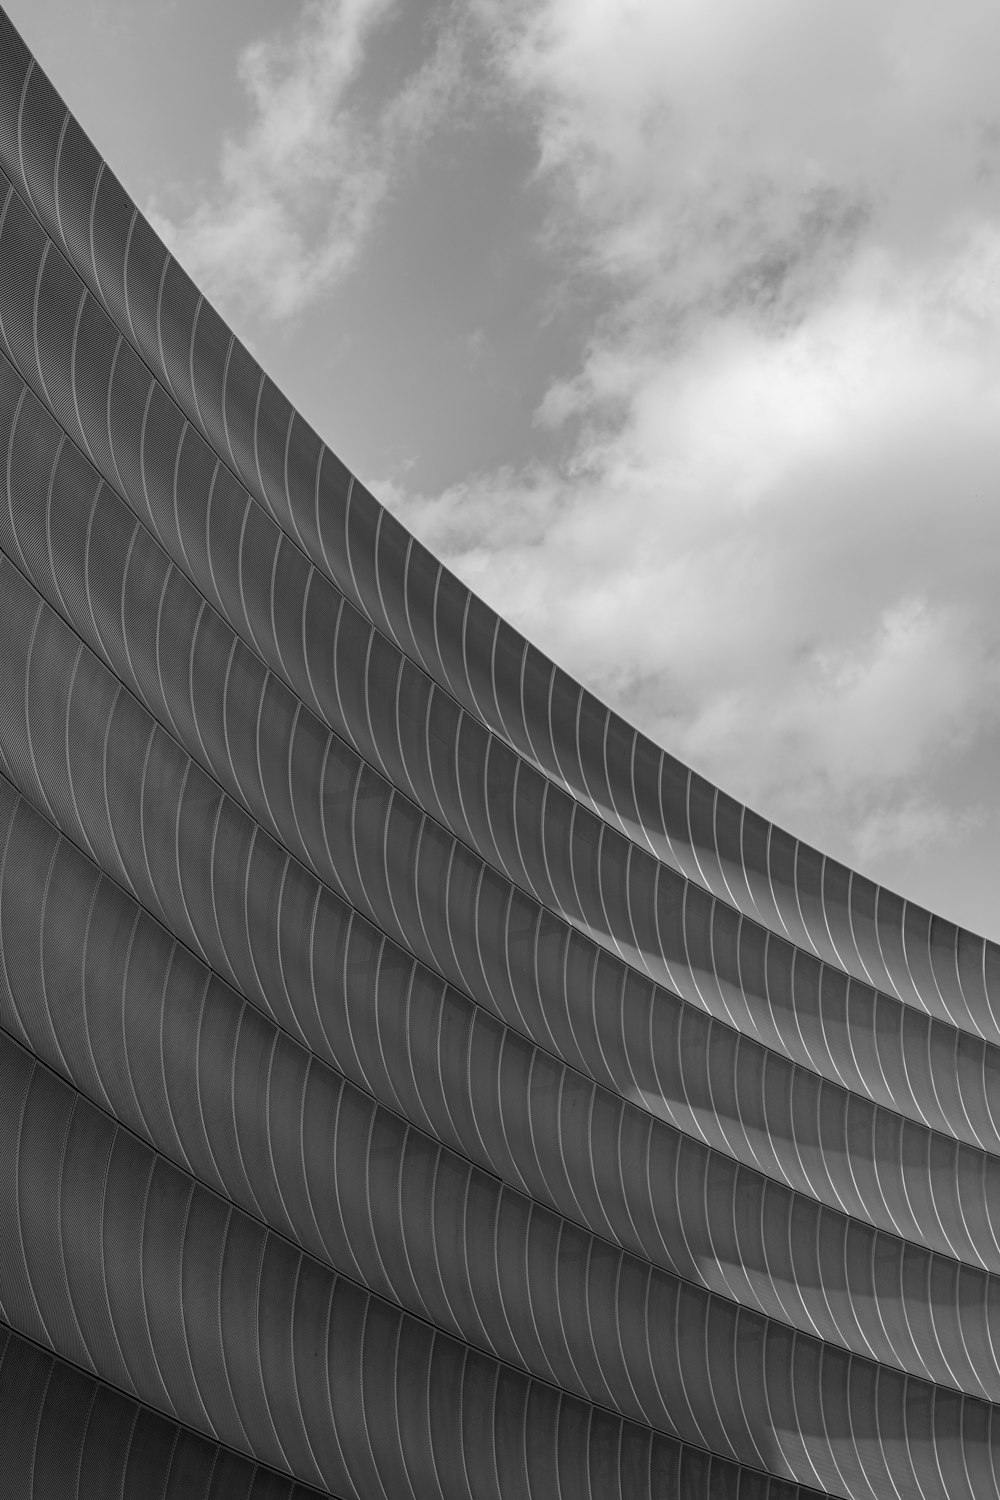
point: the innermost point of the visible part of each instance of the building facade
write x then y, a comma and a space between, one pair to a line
413, 1082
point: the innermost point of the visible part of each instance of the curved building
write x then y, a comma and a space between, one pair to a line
413, 1083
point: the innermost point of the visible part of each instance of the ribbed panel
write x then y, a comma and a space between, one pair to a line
413, 1082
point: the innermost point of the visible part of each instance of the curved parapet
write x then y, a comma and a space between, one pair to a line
412, 1081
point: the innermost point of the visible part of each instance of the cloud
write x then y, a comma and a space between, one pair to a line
769, 532
754, 133
298, 189
765, 562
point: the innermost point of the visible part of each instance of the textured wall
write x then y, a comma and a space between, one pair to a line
413, 1082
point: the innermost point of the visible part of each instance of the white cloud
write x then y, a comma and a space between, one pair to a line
298, 189
748, 129
771, 535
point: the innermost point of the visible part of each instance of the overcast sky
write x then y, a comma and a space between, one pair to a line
672, 325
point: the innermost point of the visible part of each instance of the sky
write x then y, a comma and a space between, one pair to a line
673, 326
